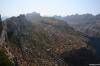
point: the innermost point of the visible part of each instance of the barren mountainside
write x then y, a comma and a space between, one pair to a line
44, 42
88, 24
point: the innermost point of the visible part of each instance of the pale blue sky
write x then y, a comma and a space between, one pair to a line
49, 7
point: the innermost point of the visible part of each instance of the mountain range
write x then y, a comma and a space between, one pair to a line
34, 40
87, 24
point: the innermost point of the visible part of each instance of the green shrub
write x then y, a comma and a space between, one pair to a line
4, 61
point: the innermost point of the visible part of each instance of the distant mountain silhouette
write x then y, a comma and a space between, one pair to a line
86, 23
33, 16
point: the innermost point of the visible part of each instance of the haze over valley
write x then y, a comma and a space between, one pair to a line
49, 33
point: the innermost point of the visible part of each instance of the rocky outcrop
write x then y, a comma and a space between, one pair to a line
1, 27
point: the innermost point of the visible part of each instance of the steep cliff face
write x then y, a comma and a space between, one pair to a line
4, 59
1, 27
41, 43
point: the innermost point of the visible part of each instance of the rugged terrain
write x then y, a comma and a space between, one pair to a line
44, 41
89, 25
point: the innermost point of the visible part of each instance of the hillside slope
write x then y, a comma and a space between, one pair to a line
88, 24
44, 43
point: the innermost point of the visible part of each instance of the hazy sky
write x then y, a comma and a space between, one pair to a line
49, 7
